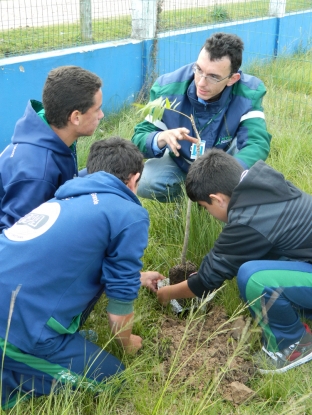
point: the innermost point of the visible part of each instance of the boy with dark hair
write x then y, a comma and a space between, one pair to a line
89, 239
227, 108
74, 88
266, 242
42, 155
111, 155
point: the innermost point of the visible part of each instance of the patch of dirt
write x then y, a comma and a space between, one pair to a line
180, 272
206, 350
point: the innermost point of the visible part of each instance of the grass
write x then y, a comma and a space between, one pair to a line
291, 75
193, 17
36, 39
61, 36
147, 390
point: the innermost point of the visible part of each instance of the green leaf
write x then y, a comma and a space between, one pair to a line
157, 113
157, 107
136, 104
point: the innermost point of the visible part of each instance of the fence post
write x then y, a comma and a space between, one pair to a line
144, 19
85, 20
277, 8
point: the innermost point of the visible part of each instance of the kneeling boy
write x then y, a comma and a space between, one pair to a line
267, 243
57, 260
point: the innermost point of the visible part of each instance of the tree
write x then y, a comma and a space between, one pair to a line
156, 109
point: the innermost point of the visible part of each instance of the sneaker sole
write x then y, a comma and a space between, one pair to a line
288, 367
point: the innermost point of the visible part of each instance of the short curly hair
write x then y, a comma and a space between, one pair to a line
225, 44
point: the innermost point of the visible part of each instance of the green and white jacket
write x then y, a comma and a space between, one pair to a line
237, 114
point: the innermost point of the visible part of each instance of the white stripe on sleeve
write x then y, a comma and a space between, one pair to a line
157, 123
252, 114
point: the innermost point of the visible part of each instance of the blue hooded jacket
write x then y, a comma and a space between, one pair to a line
89, 238
32, 167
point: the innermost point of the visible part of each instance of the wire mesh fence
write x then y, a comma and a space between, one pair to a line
28, 26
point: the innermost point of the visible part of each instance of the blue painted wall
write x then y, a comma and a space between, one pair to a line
22, 78
295, 32
124, 65
258, 36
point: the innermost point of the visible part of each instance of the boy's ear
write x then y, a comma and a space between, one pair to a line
133, 182
219, 198
74, 117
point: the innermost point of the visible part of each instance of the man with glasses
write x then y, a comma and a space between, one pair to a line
227, 108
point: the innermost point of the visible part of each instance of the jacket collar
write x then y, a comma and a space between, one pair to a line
215, 105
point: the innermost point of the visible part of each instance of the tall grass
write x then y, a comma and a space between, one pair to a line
148, 390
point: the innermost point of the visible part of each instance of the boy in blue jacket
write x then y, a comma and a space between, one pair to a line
42, 155
266, 242
57, 259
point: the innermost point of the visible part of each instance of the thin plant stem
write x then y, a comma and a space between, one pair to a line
189, 202
12, 303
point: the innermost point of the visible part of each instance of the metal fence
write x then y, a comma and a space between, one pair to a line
28, 26
172, 31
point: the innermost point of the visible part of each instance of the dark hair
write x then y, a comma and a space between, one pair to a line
116, 156
68, 88
214, 172
221, 44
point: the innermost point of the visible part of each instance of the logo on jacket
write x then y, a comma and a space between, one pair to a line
35, 223
94, 198
223, 140
34, 220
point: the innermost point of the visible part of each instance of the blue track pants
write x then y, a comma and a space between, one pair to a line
277, 293
76, 362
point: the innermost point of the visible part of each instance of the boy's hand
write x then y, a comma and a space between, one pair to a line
174, 292
149, 280
163, 295
135, 344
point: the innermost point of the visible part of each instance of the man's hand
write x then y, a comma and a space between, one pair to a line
149, 280
135, 344
171, 137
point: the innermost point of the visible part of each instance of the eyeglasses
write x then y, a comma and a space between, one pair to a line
209, 78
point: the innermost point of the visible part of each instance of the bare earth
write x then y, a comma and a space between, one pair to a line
207, 350
210, 351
